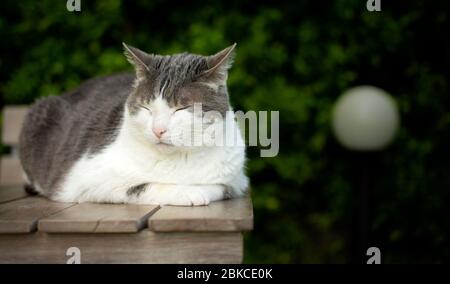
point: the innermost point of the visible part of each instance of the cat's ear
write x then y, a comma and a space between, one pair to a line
218, 65
138, 58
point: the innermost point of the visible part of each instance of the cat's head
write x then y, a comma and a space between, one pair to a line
172, 93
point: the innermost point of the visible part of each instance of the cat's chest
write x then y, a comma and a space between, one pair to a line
202, 167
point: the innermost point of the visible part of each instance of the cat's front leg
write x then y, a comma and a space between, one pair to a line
174, 194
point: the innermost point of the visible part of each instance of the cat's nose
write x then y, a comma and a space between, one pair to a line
159, 131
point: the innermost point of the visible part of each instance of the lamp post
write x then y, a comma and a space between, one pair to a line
365, 120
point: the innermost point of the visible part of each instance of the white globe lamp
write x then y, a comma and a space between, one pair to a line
365, 118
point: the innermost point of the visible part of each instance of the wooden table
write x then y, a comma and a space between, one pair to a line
36, 230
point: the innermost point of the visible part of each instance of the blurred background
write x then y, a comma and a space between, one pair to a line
296, 57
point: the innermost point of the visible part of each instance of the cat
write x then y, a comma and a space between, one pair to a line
118, 139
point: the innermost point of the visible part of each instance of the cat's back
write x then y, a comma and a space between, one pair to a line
58, 130
101, 90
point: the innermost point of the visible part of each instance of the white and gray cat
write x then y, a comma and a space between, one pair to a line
116, 139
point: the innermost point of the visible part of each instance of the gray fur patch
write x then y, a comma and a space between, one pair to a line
137, 189
227, 191
58, 131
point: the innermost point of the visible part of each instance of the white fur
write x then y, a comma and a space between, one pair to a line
176, 175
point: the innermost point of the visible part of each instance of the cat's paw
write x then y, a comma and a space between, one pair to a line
189, 195
180, 195
172, 194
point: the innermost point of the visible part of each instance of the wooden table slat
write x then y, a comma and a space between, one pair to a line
21, 216
10, 193
98, 218
227, 215
141, 247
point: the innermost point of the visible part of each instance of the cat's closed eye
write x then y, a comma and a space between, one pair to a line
145, 107
182, 108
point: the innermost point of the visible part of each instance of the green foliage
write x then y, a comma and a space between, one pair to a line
295, 57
